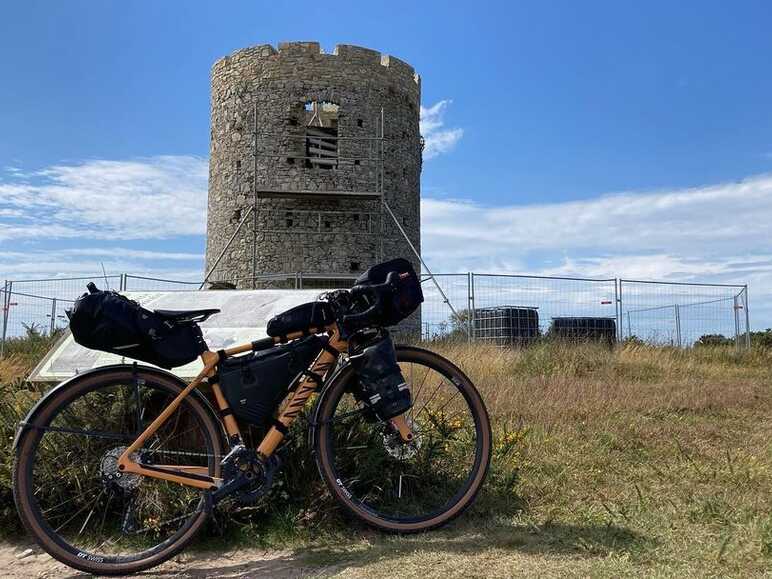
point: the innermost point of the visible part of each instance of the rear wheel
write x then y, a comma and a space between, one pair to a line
406, 487
76, 503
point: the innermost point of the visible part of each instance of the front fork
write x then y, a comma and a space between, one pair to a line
403, 427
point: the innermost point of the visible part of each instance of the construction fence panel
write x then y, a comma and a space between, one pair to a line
518, 309
684, 314
501, 309
441, 320
138, 283
26, 314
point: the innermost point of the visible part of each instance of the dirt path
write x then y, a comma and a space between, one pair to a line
21, 561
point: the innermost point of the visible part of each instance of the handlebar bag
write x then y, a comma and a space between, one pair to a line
406, 296
382, 387
110, 322
255, 384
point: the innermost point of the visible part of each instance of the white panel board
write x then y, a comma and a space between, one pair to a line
244, 316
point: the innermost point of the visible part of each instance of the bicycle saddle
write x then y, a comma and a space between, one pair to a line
187, 315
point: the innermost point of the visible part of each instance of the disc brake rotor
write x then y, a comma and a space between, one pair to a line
398, 448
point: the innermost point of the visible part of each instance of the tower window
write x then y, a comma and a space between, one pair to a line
289, 222
354, 266
321, 138
360, 123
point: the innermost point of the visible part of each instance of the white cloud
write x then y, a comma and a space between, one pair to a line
151, 198
75, 262
684, 232
437, 139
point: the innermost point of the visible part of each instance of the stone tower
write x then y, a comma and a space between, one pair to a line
303, 146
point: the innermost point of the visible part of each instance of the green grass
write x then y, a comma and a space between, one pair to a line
629, 462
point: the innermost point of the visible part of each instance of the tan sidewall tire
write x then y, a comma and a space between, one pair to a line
331, 396
27, 444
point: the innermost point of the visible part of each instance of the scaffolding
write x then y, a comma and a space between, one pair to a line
317, 151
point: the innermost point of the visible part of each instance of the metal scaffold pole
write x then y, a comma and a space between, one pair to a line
224, 249
254, 206
418, 255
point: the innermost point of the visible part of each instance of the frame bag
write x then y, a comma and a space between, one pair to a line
255, 384
110, 322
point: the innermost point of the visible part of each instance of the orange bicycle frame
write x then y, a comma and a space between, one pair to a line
198, 476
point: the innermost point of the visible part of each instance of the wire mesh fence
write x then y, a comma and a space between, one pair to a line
680, 314
495, 308
137, 283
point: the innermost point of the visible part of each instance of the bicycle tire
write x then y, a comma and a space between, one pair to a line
24, 462
324, 448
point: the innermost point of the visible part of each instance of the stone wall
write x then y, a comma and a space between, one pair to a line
319, 234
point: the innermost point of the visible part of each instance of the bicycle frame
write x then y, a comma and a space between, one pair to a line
198, 476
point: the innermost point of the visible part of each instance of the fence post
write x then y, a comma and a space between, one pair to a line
618, 290
299, 280
53, 317
6, 314
736, 324
471, 306
618, 309
5, 317
677, 324
747, 319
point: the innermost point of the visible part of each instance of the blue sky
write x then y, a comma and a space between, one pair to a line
600, 138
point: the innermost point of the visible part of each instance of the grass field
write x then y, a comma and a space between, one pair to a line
636, 461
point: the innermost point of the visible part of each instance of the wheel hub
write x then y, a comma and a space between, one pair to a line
398, 448
111, 474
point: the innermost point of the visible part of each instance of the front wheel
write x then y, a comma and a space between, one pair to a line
406, 487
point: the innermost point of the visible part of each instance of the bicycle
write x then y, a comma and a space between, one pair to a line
116, 469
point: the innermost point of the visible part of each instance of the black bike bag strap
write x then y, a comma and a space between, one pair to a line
263, 344
330, 349
279, 425
314, 377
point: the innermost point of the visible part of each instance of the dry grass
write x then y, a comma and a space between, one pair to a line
559, 383
629, 462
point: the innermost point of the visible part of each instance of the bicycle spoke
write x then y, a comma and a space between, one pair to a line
402, 480
76, 483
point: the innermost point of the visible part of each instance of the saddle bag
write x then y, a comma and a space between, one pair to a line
255, 384
382, 387
110, 322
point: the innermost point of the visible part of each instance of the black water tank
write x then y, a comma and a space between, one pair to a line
505, 325
584, 329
